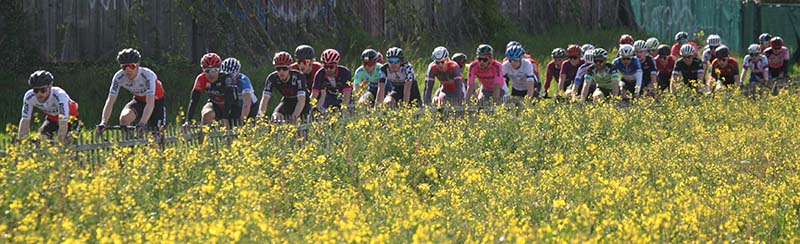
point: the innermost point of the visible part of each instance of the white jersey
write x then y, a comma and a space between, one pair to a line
57, 104
758, 66
519, 77
144, 84
707, 54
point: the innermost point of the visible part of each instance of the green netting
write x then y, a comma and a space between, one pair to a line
781, 20
664, 18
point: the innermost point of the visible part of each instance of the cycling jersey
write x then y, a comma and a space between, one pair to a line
492, 74
373, 78
222, 93
145, 83
676, 49
315, 66
689, 72
294, 86
450, 78
579, 75
244, 85
725, 73
632, 73
709, 54
570, 71
552, 73
58, 107
397, 78
757, 67
605, 79
777, 60
334, 85
520, 77
665, 67
648, 70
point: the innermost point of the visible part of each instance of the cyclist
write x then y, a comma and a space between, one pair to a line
682, 38
724, 69
665, 65
536, 81
688, 68
778, 57
490, 73
334, 80
763, 40
449, 75
709, 51
757, 63
649, 70
305, 63
221, 90
603, 76
578, 87
400, 74
631, 70
569, 68
249, 102
519, 72
554, 68
369, 75
585, 48
60, 111
147, 105
651, 45
290, 84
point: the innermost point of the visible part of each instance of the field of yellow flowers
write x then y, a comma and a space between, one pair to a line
718, 169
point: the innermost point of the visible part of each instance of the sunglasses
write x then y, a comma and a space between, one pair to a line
211, 70
394, 60
127, 66
688, 56
369, 63
304, 61
483, 60
282, 68
599, 61
626, 59
440, 62
39, 89
573, 57
516, 60
330, 66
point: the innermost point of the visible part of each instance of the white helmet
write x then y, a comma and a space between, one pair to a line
639, 45
714, 40
652, 43
687, 50
626, 50
440, 53
754, 49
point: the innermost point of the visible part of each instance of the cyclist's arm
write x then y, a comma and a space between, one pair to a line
63, 118
429, 80
587, 81
25, 119
471, 80
195, 98
639, 75
148, 108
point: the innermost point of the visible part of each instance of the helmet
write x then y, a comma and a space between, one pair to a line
330, 56
651, 43
40, 78
625, 39
681, 36
210, 60
663, 50
369, 55
626, 50
440, 54
764, 37
395, 52
714, 40
379, 58
776, 42
722, 51
282, 59
231, 65
754, 49
588, 56
639, 45
128, 56
600, 53
513, 43
304, 52
586, 47
687, 50
514, 52
559, 53
484, 49
460, 58
573, 51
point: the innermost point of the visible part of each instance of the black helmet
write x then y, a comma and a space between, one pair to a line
484, 49
663, 50
395, 52
40, 78
722, 51
460, 58
304, 52
369, 55
128, 56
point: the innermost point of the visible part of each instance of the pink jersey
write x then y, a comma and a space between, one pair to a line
493, 74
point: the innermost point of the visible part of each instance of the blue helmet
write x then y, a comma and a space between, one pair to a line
231, 65
514, 52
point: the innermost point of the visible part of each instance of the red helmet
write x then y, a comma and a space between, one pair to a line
282, 59
776, 43
330, 56
573, 51
626, 39
210, 60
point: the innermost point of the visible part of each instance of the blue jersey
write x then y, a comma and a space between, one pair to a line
580, 73
630, 73
244, 85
